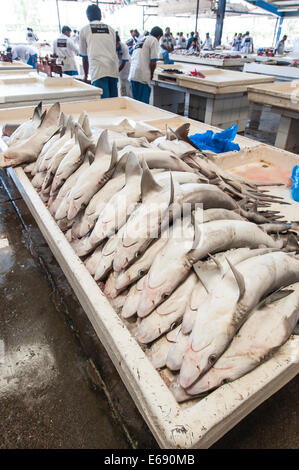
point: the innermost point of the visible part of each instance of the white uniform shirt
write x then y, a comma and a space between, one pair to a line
75, 39
181, 41
97, 42
207, 45
66, 50
22, 52
31, 37
123, 55
143, 54
247, 44
280, 47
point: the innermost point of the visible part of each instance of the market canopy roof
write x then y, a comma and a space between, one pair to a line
282, 8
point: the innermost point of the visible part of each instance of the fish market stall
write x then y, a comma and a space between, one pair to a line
32, 88
14, 65
280, 72
283, 98
217, 97
127, 162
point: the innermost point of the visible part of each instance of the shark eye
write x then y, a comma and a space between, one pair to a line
141, 273
224, 381
212, 359
165, 296
137, 254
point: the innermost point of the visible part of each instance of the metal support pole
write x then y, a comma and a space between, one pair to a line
275, 32
196, 18
219, 22
279, 30
58, 16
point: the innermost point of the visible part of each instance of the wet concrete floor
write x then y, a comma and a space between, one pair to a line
58, 387
46, 398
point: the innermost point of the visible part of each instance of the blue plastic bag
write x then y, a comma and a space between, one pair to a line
217, 142
295, 186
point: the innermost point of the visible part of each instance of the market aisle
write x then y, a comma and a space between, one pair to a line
46, 400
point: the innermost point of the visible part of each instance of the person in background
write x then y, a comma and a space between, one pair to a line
97, 46
281, 45
233, 40
124, 66
195, 45
143, 64
143, 35
207, 45
75, 37
190, 39
24, 53
247, 44
66, 50
181, 41
132, 41
167, 41
236, 46
31, 36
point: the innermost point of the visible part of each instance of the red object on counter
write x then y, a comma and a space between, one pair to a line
197, 73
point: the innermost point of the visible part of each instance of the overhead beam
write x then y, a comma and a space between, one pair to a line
265, 6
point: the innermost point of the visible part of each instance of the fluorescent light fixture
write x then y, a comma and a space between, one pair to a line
288, 9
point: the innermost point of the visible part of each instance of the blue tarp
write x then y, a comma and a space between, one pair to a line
217, 142
295, 187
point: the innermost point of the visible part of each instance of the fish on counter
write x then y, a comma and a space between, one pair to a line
209, 293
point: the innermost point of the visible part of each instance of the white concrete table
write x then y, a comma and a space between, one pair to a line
283, 98
14, 65
220, 99
280, 72
28, 89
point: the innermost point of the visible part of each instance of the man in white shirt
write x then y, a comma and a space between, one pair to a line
143, 64
31, 36
75, 37
167, 41
66, 50
24, 53
207, 45
124, 66
181, 42
97, 46
247, 44
281, 45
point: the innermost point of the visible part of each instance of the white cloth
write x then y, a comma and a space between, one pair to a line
22, 52
97, 42
123, 55
66, 50
247, 44
31, 37
143, 54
